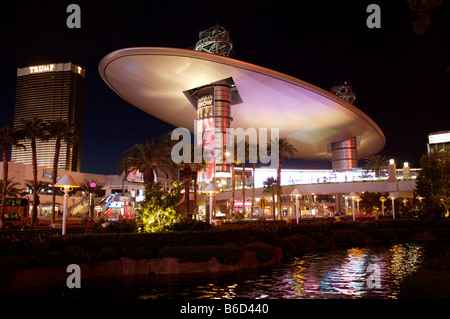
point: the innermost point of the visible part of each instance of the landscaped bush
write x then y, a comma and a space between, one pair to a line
54, 258
264, 252
141, 252
348, 237
75, 254
189, 225
123, 226
382, 234
320, 238
300, 242
285, 244
227, 254
110, 253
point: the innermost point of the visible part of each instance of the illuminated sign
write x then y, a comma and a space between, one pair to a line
239, 203
439, 138
116, 204
42, 68
205, 101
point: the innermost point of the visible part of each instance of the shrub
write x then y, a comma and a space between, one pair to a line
381, 234
123, 226
141, 252
300, 242
264, 252
54, 257
189, 224
227, 254
320, 238
75, 255
110, 253
348, 237
285, 244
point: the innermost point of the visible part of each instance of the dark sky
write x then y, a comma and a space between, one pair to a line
399, 78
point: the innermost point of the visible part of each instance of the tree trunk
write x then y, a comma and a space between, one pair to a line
35, 182
243, 188
187, 175
280, 164
55, 175
5, 178
148, 176
253, 191
195, 195
233, 188
273, 207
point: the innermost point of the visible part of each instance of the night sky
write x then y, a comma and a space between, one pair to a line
399, 78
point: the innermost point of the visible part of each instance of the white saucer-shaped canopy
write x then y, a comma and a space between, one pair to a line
66, 180
156, 79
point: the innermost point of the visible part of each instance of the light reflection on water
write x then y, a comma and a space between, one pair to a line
340, 273
336, 273
344, 273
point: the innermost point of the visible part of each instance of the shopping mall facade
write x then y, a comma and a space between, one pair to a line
324, 192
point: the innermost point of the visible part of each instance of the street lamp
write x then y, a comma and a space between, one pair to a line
211, 189
92, 186
392, 196
382, 199
404, 200
353, 195
420, 198
66, 182
297, 194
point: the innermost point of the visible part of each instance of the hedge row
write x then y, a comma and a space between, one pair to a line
16, 244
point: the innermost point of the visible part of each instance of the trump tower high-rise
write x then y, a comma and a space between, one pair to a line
49, 92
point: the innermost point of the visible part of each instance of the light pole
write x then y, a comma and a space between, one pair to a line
382, 199
211, 189
392, 196
92, 186
297, 194
66, 182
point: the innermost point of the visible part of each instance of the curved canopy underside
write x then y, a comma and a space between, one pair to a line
156, 79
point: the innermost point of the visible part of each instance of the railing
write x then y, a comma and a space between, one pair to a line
320, 177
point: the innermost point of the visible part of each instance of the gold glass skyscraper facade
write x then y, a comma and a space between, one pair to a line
49, 92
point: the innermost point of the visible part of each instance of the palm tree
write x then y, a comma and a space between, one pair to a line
376, 163
8, 138
234, 161
187, 167
34, 130
271, 187
285, 149
254, 148
86, 187
123, 170
60, 130
12, 190
149, 158
246, 153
